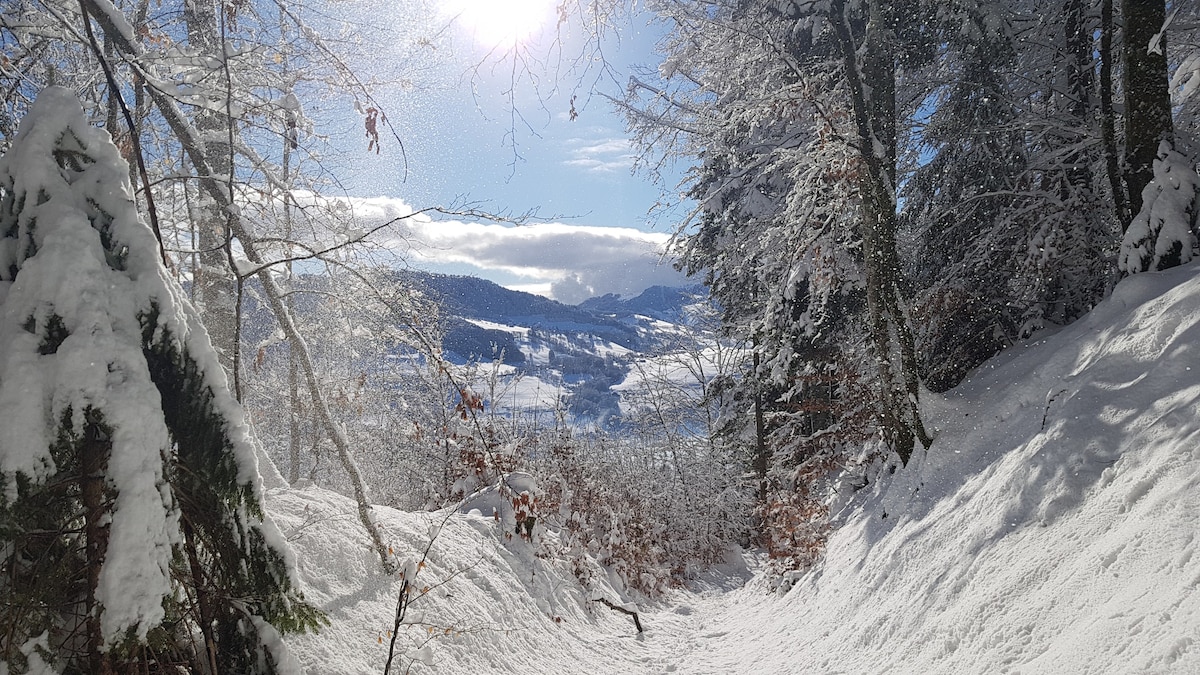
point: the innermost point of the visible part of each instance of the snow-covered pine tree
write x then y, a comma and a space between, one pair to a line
131, 521
753, 97
1066, 265
1166, 231
959, 204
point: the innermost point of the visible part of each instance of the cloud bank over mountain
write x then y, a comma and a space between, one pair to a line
567, 262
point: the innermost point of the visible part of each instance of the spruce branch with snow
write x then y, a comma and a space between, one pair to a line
1164, 233
123, 457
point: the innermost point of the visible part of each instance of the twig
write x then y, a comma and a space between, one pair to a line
636, 621
134, 137
401, 609
1050, 399
405, 598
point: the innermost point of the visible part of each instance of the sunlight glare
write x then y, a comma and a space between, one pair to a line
495, 23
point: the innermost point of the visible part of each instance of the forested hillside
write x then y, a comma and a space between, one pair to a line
888, 202
890, 193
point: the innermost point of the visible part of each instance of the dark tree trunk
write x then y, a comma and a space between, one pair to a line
872, 84
761, 459
1108, 132
1080, 79
204, 603
1147, 103
94, 454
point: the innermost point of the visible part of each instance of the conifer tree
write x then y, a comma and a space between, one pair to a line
1166, 231
1067, 263
753, 95
958, 205
1147, 100
124, 461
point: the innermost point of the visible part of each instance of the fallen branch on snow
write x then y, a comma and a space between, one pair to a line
636, 621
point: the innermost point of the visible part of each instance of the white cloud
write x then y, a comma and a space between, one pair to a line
600, 155
536, 289
599, 166
606, 146
567, 262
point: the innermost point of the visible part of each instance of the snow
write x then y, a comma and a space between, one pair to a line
526, 395
491, 606
1051, 528
1064, 546
99, 293
509, 390
1164, 233
1185, 81
492, 325
679, 369
99, 365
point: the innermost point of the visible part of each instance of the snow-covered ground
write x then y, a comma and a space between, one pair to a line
511, 391
1051, 528
686, 373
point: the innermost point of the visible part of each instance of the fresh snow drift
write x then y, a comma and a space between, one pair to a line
1051, 528
485, 603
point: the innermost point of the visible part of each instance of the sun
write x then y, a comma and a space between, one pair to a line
494, 23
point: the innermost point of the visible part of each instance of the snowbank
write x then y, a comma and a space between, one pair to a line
491, 604
1051, 528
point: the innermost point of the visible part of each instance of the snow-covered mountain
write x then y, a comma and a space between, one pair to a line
1050, 528
583, 349
546, 353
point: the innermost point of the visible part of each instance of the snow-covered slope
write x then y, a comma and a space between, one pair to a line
1051, 528
484, 603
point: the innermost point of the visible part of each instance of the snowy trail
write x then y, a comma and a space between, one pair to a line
678, 634
499, 609
684, 629
1050, 529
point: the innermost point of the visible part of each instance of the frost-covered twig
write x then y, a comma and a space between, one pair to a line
410, 574
134, 138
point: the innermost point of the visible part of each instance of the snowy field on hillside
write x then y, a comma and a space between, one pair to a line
687, 371
509, 390
1051, 528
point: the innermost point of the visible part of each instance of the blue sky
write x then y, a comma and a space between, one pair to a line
471, 142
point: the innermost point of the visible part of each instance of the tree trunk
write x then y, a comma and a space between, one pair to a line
1078, 41
295, 407
1147, 102
872, 85
94, 454
761, 459
1108, 133
203, 600
216, 287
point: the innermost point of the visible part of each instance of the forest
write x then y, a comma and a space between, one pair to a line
878, 197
